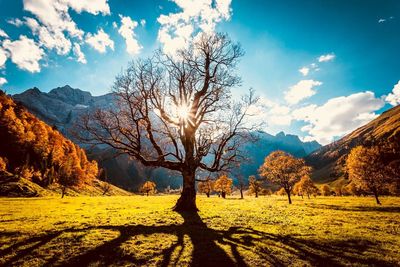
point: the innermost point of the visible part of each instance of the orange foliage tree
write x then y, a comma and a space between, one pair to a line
367, 170
206, 187
255, 186
148, 188
283, 169
223, 185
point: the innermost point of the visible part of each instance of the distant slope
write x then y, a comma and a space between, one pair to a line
33, 155
63, 105
329, 160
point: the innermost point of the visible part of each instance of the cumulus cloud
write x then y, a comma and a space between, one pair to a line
3, 34
177, 29
301, 90
304, 71
142, 22
270, 112
80, 57
3, 57
127, 32
100, 41
2, 81
326, 58
25, 53
49, 38
394, 97
338, 116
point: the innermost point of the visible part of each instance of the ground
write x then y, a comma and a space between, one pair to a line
139, 230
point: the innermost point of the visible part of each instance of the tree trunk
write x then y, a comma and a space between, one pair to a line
187, 200
301, 196
208, 194
256, 194
308, 195
147, 193
223, 194
288, 195
376, 198
63, 192
241, 192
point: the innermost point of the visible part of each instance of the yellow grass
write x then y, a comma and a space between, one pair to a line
138, 230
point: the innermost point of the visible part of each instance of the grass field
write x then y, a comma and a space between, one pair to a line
137, 230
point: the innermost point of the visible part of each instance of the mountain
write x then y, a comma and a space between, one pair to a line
329, 160
63, 105
36, 159
267, 143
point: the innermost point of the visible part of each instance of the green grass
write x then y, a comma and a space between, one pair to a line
137, 230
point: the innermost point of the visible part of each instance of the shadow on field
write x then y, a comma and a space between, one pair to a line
259, 247
359, 208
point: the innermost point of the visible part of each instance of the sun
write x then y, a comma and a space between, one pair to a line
183, 112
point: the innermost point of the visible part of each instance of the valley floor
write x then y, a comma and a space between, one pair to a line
138, 230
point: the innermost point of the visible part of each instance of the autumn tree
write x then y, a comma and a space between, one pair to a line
206, 187
283, 169
255, 187
326, 190
305, 187
148, 187
367, 170
68, 177
223, 185
176, 111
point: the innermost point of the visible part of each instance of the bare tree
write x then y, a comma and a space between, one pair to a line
173, 111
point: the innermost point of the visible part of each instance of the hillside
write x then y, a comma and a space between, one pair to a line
35, 158
329, 160
63, 105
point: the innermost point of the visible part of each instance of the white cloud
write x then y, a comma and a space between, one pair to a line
301, 91
381, 20
271, 113
2, 81
142, 22
3, 34
394, 97
127, 31
91, 6
80, 57
178, 29
100, 41
16, 22
25, 53
338, 116
326, 58
3, 57
304, 71
49, 38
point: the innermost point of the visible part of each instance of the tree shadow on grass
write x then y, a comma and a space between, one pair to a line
395, 209
210, 247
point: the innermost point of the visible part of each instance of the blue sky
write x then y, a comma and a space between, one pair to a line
347, 51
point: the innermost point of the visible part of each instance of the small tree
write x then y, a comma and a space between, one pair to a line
305, 187
326, 190
367, 170
148, 187
223, 185
283, 169
68, 176
255, 186
206, 187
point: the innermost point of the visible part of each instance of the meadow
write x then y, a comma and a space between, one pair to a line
140, 230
